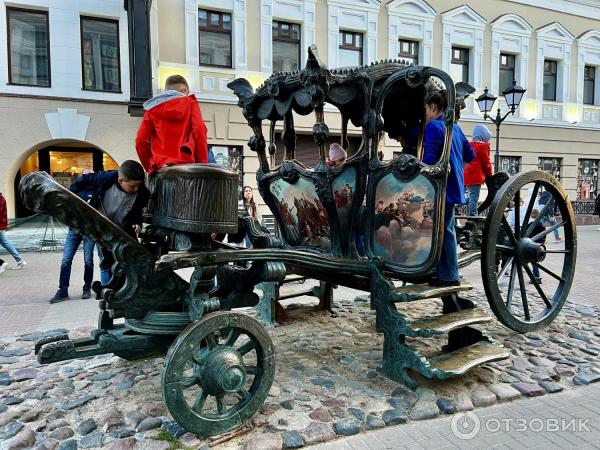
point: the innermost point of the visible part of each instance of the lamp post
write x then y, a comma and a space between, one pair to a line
513, 96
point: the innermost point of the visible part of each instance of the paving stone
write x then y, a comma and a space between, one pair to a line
91, 440
586, 376
46, 444
173, 428
62, 433
56, 424
5, 379
121, 433
424, 410
10, 429
10, 400
394, 417
153, 444
462, 402
70, 444
541, 362
529, 389
266, 441
292, 439
446, 406
78, 402
30, 415
23, 439
22, 351
358, 413
347, 427
580, 335
4, 360
374, 423
482, 397
149, 423
86, 426
121, 444
550, 386
317, 432
287, 404
190, 440
323, 382
504, 392
321, 414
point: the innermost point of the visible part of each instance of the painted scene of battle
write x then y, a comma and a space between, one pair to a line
343, 194
403, 220
302, 213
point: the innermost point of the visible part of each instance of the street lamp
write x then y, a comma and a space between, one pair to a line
513, 96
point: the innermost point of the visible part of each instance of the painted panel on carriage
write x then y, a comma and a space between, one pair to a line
302, 213
403, 220
343, 188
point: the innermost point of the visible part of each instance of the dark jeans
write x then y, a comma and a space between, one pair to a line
105, 272
447, 268
473, 199
72, 242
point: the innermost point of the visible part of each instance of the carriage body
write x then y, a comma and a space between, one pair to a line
366, 224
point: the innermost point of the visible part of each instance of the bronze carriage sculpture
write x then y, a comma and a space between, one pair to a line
219, 364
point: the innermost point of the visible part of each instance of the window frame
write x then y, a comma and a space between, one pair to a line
8, 42
289, 40
555, 75
100, 19
507, 68
412, 56
512, 160
592, 177
553, 160
221, 29
353, 47
466, 51
593, 80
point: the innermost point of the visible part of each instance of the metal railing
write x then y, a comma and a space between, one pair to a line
582, 207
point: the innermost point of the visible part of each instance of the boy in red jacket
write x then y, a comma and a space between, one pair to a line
480, 168
173, 131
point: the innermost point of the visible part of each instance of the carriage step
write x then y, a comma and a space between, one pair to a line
414, 292
467, 257
294, 279
459, 361
313, 291
447, 322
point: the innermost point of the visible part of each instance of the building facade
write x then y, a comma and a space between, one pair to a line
66, 82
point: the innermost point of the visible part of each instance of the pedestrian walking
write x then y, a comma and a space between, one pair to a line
480, 168
10, 248
597, 206
549, 217
72, 243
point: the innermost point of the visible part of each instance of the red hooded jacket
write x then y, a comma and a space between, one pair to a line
3, 214
172, 132
481, 167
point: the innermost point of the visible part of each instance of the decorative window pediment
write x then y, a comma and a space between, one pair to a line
413, 20
464, 15
590, 38
511, 23
556, 32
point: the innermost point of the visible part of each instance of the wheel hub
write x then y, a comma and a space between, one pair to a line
224, 371
529, 251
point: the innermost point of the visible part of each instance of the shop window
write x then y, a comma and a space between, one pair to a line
286, 46
510, 164
587, 179
551, 165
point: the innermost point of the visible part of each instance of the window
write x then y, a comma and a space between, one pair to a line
589, 84
587, 179
550, 68
507, 71
351, 49
510, 164
214, 36
100, 54
551, 165
286, 46
459, 64
28, 47
232, 158
409, 51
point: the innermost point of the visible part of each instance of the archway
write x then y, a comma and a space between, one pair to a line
64, 159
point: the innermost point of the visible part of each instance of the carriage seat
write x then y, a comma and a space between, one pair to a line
194, 198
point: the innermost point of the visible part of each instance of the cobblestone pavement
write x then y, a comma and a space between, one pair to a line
326, 385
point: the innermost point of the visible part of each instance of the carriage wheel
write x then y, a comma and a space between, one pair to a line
511, 251
218, 373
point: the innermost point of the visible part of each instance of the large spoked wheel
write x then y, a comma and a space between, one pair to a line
218, 373
527, 269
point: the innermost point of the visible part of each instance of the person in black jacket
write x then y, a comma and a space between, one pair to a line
121, 196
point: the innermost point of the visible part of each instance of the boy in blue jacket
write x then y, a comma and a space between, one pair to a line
461, 152
120, 195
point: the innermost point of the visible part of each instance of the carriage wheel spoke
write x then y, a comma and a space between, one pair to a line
509, 231
200, 400
188, 382
243, 394
566, 252
511, 287
517, 200
505, 268
538, 219
547, 231
505, 248
253, 370
537, 287
527, 215
549, 272
212, 340
221, 405
199, 356
232, 337
523, 292
247, 347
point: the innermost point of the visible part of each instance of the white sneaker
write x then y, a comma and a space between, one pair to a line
3, 267
20, 265
598, 229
